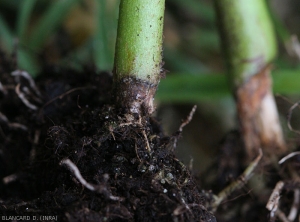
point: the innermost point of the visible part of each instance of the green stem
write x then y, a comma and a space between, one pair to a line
250, 45
138, 58
247, 36
139, 39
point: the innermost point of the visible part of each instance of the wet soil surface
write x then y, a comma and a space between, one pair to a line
66, 151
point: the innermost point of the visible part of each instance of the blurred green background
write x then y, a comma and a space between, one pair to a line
74, 33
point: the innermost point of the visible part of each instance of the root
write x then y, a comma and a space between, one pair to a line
97, 188
33, 91
184, 123
294, 209
281, 216
237, 184
22, 97
24, 74
289, 116
182, 208
10, 178
294, 185
4, 119
273, 202
147, 142
73, 168
288, 157
130, 121
188, 119
2, 89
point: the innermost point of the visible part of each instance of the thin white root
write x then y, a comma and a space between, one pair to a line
282, 216
101, 189
185, 122
10, 178
288, 157
289, 116
147, 142
26, 90
28, 77
4, 119
17, 126
188, 119
238, 183
2, 89
294, 209
273, 202
181, 208
23, 98
73, 168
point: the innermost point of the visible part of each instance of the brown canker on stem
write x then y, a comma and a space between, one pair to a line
134, 95
258, 115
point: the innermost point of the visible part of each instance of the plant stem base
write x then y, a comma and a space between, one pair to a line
134, 95
258, 115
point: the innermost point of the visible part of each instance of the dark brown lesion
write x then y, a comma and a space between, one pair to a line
134, 95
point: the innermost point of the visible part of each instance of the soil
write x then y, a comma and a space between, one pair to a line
67, 154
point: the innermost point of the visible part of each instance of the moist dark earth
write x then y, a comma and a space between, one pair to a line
63, 124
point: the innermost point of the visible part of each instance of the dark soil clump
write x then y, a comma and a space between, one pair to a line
66, 151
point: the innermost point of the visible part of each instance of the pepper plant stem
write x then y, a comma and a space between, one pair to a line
138, 56
249, 44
